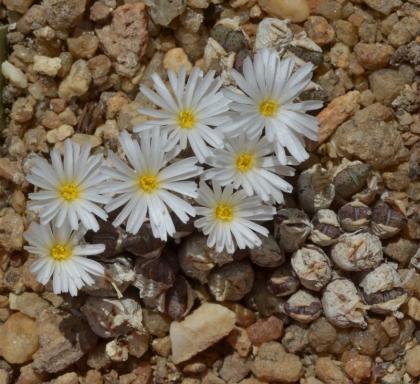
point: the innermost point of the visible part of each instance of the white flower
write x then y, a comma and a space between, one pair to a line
145, 188
189, 111
269, 90
248, 163
61, 256
228, 218
70, 188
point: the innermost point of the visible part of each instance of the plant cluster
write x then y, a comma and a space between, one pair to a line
213, 153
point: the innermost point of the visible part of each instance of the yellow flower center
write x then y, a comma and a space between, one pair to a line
69, 191
224, 212
186, 119
61, 252
269, 107
244, 162
148, 183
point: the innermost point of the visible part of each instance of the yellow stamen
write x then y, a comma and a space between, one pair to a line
269, 107
148, 183
61, 252
69, 191
244, 162
224, 212
186, 119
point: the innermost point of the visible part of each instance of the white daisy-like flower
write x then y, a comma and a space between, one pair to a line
70, 187
248, 163
145, 188
62, 256
189, 111
228, 218
269, 88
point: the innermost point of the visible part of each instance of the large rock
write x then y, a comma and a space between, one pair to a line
64, 14
371, 136
125, 40
19, 339
64, 339
198, 331
386, 84
273, 363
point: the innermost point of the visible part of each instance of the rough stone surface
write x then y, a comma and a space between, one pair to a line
47, 65
294, 10
359, 368
175, 59
126, 38
19, 339
77, 82
11, 231
204, 327
64, 339
265, 330
386, 84
414, 308
273, 363
336, 112
164, 11
234, 369
412, 361
28, 303
383, 6
319, 30
20, 6
63, 14
373, 56
330, 372
83, 46
371, 136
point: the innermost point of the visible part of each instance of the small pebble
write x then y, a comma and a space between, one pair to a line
14, 75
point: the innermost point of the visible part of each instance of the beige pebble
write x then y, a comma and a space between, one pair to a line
60, 134
82, 139
412, 361
77, 82
19, 339
294, 10
175, 58
47, 65
204, 327
14, 75
414, 308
